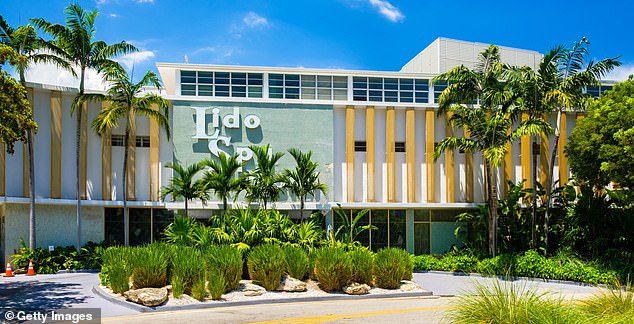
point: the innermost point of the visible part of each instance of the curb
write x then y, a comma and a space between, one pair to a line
511, 278
143, 309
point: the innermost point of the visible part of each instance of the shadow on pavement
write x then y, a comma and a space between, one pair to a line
36, 295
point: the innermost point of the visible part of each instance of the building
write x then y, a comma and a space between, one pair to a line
372, 132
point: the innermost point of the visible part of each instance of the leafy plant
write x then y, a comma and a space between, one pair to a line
186, 264
150, 266
333, 268
348, 231
119, 262
226, 261
266, 264
362, 261
296, 262
216, 284
392, 265
198, 286
179, 231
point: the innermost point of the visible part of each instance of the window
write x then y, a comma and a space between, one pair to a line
142, 141
119, 140
221, 84
439, 87
399, 147
359, 146
309, 87
390, 89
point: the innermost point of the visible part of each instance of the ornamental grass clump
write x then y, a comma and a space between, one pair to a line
296, 261
266, 264
216, 284
227, 261
362, 262
118, 265
511, 303
199, 291
150, 266
333, 268
613, 305
186, 264
392, 265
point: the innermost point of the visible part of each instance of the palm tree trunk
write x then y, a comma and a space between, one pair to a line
492, 202
534, 185
29, 141
186, 209
301, 208
77, 159
126, 215
224, 207
549, 181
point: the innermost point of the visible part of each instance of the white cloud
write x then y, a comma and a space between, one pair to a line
50, 74
388, 10
113, 15
252, 19
144, 1
208, 49
129, 60
620, 73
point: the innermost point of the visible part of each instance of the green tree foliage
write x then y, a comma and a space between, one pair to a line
601, 146
182, 184
127, 100
16, 115
265, 184
304, 179
491, 124
222, 178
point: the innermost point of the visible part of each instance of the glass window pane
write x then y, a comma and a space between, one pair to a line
378, 218
422, 97
398, 232
376, 95
222, 91
188, 76
255, 92
363, 237
360, 95
360, 82
407, 84
255, 78
162, 218
276, 92
222, 78
375, 83
323, 94
423, 84
340, 94
140, 226
238, 91
291, 80
421, 215
188, 89
308, 81
391, 96
308, 93
238, 78
206, 77
390, 84
340, 82
421, 239
292, 93
407, 96
113, 226
276, 79
324, 81
205, 90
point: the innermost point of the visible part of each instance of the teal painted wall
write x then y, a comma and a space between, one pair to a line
283, 126
442, 237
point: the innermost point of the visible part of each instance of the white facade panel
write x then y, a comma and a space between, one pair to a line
380, 169
69, 165
339, 154
42, 143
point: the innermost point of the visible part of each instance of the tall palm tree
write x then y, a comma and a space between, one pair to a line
567, 74
264, 182
304, 179
76, 39
128, 100
182, 183
222, 179
496, 90
24, 40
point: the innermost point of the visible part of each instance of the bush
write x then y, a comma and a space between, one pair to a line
459, 263
296, 262
266, 265
425, 262
392, 265
533, 265
118, 264
150, 266
227, 261
186, 264
198, 286
46, 262
500, 265
216, 284
333, 268
362, 263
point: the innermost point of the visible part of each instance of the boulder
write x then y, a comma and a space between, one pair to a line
409, 286
147, 296
252, 290
354, 288
291, 284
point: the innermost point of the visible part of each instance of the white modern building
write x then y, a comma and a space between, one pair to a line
372, 133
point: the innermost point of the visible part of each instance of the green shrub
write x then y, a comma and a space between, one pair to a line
533, 265
47, 262
362, 263
614, 305
425, 262
186, 264
266, 265
458, 263
198, 286
391, 265
500, 265
333, 268
150, 266
296, 262
216, 284
226, 260
119, 264
510, 303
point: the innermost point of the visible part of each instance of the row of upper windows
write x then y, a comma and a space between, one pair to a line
317, 87
141, 141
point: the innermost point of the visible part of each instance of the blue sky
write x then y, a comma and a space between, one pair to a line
346, 34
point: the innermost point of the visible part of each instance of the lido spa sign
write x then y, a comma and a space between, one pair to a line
230, 121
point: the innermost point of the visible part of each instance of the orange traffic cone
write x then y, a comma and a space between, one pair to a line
31, 271
9, 272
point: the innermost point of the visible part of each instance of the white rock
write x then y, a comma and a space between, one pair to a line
291, 284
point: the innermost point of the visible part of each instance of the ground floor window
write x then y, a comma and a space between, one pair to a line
390, 231
146, 225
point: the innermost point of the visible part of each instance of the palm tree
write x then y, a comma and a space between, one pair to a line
496, 90
222, 179
76, 40
566, 73
24, 40
182, 184
128, 100
304, 179
264, 182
